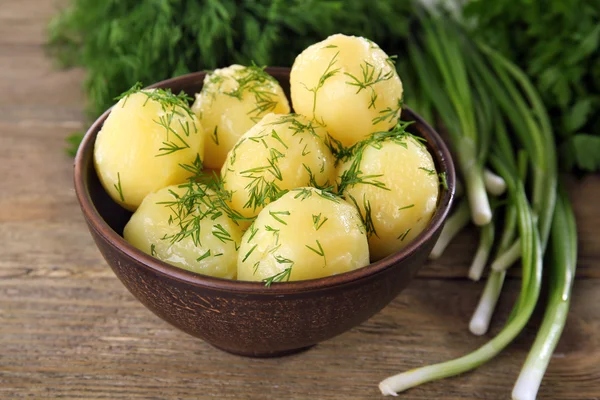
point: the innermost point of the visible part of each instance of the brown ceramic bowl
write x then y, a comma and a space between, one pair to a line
248, 318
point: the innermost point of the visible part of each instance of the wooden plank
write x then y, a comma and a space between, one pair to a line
61, 337
24, 22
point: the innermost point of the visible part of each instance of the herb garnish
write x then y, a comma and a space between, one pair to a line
328, 73
318, 221
319, 252
119, 188
174, 107
403, 236
276, 214
368, 79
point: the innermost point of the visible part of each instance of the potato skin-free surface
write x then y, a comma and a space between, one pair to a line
281, 152
150, 224
311, 233
233, 100
403, 211
349, 84
130, 149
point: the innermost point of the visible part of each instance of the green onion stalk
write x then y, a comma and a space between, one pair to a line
532, 266
563, 236
442, 67
514, 100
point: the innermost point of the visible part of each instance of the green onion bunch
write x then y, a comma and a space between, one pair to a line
502, 138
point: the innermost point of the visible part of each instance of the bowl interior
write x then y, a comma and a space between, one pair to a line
108, 219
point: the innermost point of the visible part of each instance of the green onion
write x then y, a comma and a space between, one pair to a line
454, 224
444, 68
497, 92
532, 266
562, 274
486, 241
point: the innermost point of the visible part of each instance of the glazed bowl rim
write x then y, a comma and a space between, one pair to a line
83, 161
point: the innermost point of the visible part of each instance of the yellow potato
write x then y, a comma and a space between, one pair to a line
305, 234
399, 184
233, 100
156, 228
142, 143
349, 85
279, 153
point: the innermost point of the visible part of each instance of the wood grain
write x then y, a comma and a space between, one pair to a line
69, 329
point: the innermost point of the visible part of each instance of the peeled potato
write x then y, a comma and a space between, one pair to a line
349, 85
142, 144
279, 153
155, 229
305, 234
233, 100
401, 210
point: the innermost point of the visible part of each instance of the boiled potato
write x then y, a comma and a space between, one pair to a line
156, 229
396, 189
349, 85
305, 234
146, 137
233, 100
279, 153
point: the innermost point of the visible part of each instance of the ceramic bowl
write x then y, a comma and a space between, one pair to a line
247, 318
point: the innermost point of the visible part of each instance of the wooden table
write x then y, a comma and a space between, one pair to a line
69, 329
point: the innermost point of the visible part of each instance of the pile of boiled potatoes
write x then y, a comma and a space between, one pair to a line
237, 187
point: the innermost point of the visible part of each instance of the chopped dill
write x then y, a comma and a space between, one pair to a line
318, 221
319, 252
369, 78
215, 135
403, 236
406, 207
443, 180
328, 73
388, 114
249, 252
276, 216
428, 171
253, 231
221, 233
174, 107
119, 188
280, 277
303, 193
203, 256
153, 250
275, 232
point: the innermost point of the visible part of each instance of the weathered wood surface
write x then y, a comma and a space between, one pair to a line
69, 329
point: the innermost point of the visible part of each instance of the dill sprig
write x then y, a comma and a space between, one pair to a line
318, 221
319, 251
295, 125
389, 113
282, 276
119, 188
251, 80
203, 197
403, 235
328, 73
277, 216
368, 78
174, 108
353, 175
